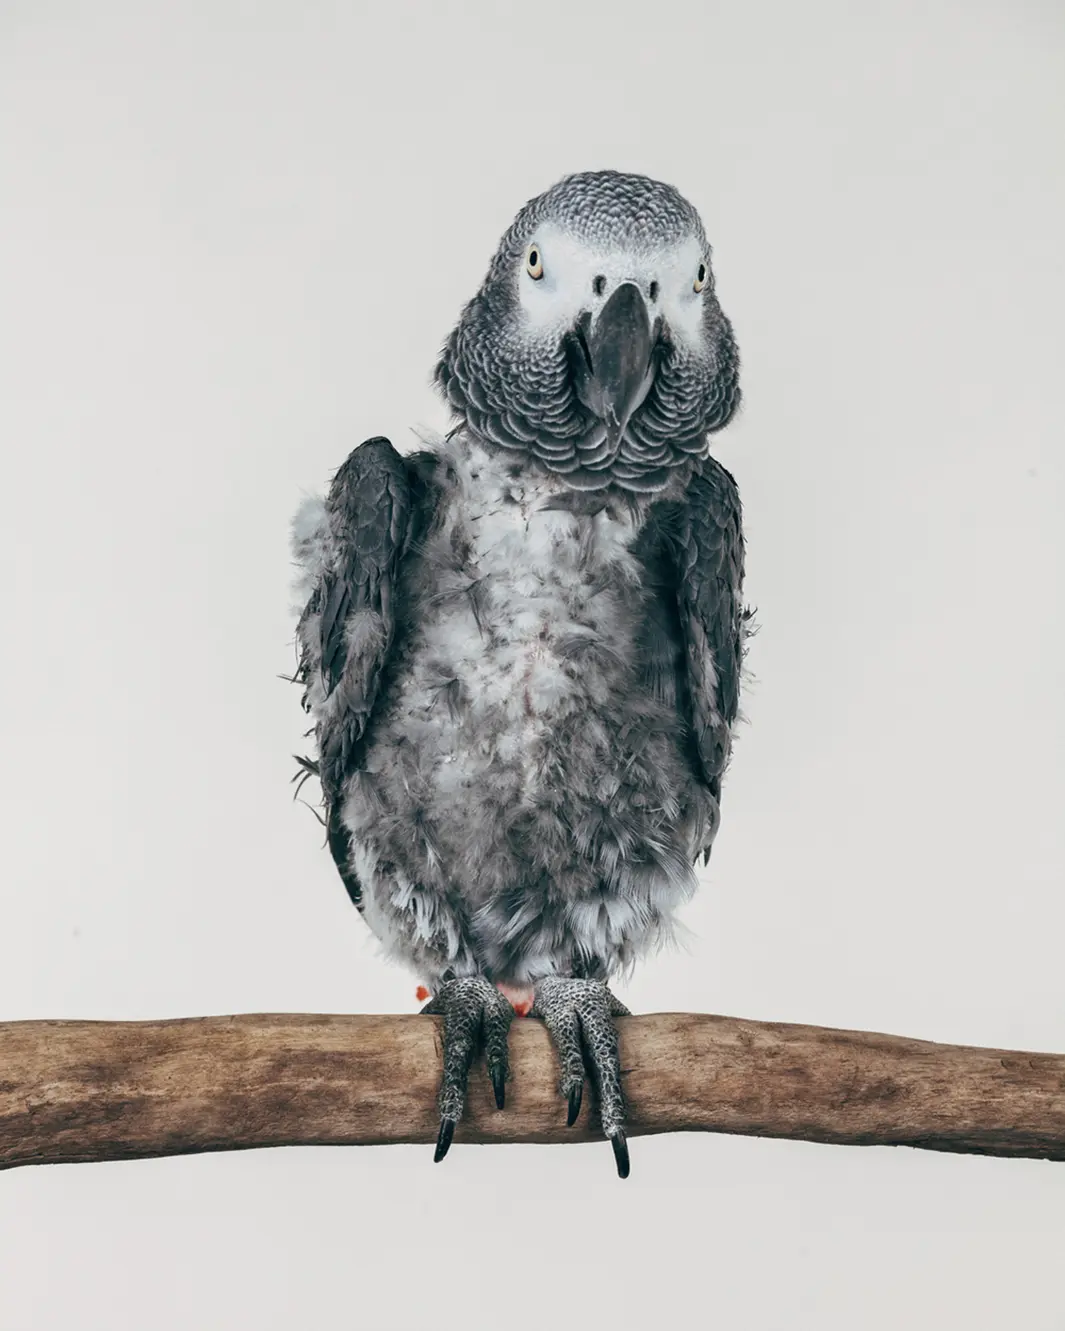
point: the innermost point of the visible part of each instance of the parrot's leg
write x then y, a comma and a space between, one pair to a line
475, 1015
579, 1014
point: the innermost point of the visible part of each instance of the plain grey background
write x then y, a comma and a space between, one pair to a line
232, 238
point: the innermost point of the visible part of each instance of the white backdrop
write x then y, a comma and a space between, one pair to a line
232, 238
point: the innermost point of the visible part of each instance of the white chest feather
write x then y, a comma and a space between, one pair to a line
522, 591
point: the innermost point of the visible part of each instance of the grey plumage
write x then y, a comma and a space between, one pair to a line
514, 388
522, 646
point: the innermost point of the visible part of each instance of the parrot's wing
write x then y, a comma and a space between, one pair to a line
352, 557
708, 550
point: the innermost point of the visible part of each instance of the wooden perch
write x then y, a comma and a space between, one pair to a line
83, 1090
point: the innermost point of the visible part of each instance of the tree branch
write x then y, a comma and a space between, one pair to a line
80, 1091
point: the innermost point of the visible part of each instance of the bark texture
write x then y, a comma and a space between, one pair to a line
83, 1090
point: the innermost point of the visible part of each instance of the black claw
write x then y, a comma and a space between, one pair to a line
499, 1085
574, 1104
621, 1153
443, 1141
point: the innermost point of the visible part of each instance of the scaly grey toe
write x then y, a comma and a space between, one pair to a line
579, 1014
475, 1015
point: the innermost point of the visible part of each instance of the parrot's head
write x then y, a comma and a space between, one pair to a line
596, 343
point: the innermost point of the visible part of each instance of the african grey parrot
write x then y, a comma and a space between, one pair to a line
522, 646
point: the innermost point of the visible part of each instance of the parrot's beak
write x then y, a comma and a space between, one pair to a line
613, 359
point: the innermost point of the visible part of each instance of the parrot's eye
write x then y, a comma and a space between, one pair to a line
700, 278
534, 263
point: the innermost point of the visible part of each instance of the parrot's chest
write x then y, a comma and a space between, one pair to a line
526, 628
519, 764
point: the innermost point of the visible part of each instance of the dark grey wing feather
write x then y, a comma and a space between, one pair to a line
369, 508
710, 555
347, 630
695, 628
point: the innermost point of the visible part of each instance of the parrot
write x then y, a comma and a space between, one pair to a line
521, 644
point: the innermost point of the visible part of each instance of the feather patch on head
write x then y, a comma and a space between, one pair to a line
596, 343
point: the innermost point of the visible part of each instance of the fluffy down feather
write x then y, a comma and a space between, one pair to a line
518, 763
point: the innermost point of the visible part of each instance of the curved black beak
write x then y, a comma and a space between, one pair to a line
612, 359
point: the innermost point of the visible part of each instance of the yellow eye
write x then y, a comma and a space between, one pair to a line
701, 277
534, 262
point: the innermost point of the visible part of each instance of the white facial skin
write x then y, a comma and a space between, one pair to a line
554, 302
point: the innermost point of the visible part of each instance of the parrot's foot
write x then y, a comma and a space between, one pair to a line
475, 1014
579, 1015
